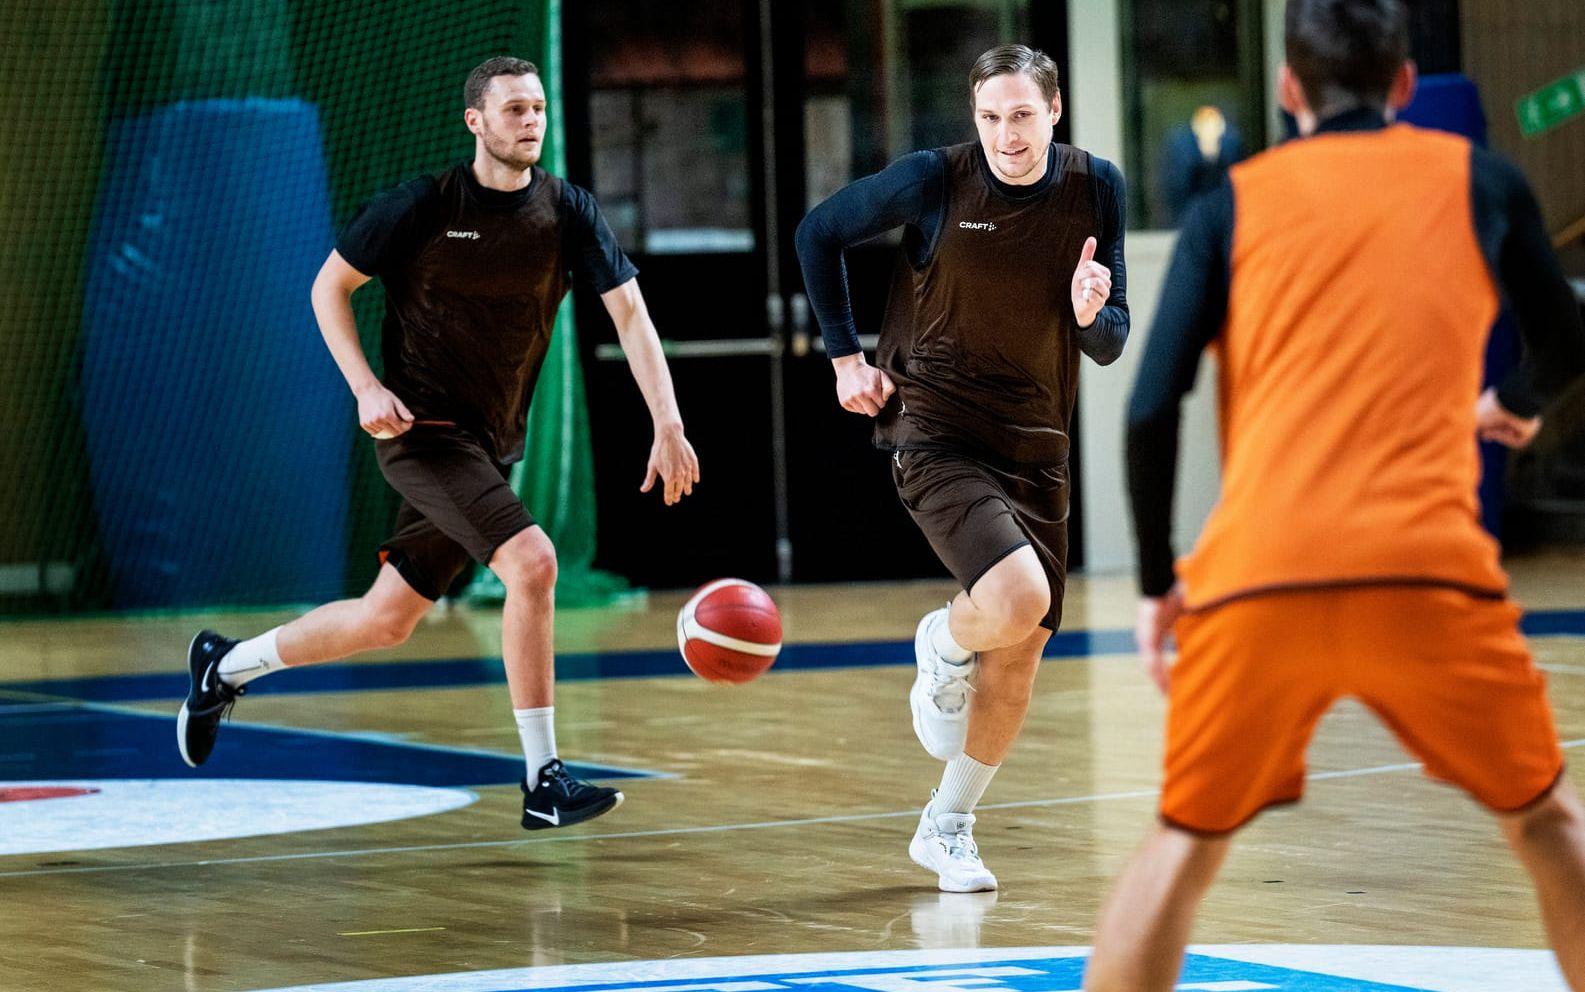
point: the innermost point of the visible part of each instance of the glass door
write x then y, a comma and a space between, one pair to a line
706, 132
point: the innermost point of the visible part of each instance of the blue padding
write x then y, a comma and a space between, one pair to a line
1448, 102
216, 422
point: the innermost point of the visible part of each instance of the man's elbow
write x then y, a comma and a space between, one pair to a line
1108, 349
808, 237
1108, 353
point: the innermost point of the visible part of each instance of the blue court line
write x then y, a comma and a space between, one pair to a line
77, 742
459, 672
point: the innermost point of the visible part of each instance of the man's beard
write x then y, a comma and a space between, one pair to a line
508, 152
1036, 160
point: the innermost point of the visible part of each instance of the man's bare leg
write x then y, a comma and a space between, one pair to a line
1146, 920
1549, 839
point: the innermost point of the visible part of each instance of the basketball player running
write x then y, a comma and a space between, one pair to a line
1011, 265
475, 263
1348, 281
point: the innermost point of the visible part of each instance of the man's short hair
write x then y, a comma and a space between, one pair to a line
479, 79
1345, 53
1007, 59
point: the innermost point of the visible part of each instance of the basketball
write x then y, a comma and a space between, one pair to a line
729, 631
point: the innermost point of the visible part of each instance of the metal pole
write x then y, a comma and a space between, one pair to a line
775, 306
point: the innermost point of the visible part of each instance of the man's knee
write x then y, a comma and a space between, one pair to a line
526, 562
1027, 605
1015, 602
389, 620
1556, 812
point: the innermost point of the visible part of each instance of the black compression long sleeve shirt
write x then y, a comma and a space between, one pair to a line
911, 193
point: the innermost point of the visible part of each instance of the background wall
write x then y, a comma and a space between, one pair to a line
1096, 109
1511, 49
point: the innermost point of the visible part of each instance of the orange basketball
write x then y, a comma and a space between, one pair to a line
730, 631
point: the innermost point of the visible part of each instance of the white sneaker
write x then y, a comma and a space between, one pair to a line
944, 844
940, 696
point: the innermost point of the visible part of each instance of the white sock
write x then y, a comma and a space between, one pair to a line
947, 649
962, 785
250, 659
537, 728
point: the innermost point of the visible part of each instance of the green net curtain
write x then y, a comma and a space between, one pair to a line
556, 477
101, 97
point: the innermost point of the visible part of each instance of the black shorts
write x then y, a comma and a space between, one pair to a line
456, 504
975, 514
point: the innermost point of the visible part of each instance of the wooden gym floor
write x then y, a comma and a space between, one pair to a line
777, 819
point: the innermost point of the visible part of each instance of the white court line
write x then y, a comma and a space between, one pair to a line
670, 832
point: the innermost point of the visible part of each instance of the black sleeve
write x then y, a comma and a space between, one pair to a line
1191, 314
909, 191
592, 253
1514, 240
382, 230
1103, 340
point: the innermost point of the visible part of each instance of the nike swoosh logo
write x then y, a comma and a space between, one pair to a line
208, 674
554, 819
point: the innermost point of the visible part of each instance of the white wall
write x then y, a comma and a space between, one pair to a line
1103, 398
1097, 119
1273, 33
1095, 54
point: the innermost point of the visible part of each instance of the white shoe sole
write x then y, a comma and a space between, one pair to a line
919, 700
181, 715
181, 736
920, 853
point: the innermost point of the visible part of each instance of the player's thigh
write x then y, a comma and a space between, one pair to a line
975, 521
1451, 675
455, 485
1251, 681
421, 558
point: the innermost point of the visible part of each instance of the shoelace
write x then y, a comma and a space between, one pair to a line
558, 775
949, 692
960, 840
227, 694
231, 700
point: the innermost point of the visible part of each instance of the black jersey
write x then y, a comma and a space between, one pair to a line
982, 341
473, 279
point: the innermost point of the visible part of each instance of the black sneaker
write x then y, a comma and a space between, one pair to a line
208, 699
561, 800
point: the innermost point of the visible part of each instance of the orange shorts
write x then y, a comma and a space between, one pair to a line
1448, 673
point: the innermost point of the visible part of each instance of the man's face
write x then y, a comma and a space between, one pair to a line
512, 124
1015, 124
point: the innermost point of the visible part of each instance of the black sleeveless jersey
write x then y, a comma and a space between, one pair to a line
473, 279
981, 340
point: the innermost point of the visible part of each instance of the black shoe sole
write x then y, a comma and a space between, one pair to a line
569, 817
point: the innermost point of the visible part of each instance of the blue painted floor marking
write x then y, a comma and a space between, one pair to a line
90, 743
461, 672
1201, 973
